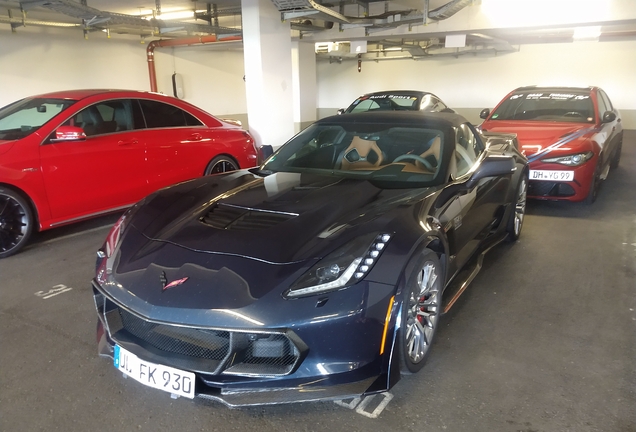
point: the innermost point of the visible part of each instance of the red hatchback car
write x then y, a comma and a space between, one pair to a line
73, 155
571, 136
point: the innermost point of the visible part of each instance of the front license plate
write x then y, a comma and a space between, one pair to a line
550, 175
154, 375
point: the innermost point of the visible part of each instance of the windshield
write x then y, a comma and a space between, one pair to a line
392, 156
384, 102
553, 106
25, 116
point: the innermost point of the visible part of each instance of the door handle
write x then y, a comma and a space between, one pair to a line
196, 137
127, 143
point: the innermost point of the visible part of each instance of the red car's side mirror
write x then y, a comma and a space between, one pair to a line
69, 133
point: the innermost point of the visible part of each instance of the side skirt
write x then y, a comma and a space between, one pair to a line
461, 281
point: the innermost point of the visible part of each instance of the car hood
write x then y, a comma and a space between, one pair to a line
542, 137
244, 235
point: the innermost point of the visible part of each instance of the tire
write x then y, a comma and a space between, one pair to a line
221, 164
421, 309
515, 220
617, 156
16, 222
594, 186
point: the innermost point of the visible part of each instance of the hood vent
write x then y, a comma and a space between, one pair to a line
229, 217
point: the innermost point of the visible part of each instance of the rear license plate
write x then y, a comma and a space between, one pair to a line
153, 375
552, 175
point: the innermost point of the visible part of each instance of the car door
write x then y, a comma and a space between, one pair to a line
103, 172
481, 204
179, 145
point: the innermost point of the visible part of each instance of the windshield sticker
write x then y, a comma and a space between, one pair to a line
553, 96
390, 96
495, 116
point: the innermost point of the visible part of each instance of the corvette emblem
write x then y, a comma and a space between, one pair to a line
174, 283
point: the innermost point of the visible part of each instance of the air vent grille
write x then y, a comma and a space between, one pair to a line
244, 219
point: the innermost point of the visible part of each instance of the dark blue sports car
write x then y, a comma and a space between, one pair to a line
320, 274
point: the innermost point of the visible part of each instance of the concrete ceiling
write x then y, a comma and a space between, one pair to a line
392, 29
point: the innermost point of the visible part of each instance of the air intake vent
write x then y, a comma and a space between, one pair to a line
223, 216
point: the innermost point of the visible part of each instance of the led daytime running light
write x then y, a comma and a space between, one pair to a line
372, 255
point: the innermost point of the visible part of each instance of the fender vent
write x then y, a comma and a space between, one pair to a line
229, 217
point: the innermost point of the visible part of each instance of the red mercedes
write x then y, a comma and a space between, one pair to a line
571, 136
73, 155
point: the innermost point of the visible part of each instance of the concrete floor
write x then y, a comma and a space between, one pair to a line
543, 340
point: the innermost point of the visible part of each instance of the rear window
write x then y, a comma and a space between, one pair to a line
161, 115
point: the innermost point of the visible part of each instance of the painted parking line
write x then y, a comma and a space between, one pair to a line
56, 290
361, 404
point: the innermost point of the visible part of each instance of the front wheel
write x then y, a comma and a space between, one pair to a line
594, 186
421, 308
221, 164
515, 220
617, 156
16, 222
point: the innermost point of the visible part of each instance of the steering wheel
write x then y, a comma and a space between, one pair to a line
573, 114
417, 158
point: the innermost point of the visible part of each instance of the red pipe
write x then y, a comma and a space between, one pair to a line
150, 51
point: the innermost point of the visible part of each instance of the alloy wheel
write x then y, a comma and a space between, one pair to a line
15, 224
520, 206
423, 310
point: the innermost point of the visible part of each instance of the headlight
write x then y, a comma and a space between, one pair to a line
571, 160
344, 267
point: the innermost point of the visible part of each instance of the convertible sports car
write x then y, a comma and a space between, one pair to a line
572, 137
320, 274
397, 100
77, 154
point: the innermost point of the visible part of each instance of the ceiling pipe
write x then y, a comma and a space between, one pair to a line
197, 40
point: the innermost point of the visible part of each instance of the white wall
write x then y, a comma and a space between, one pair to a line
471, 83
39, 60
212, 76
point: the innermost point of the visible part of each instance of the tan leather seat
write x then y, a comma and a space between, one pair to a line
361, 154
434, 150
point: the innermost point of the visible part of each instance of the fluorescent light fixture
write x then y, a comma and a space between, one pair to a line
586, 33
187, 14
455, 41
516, 13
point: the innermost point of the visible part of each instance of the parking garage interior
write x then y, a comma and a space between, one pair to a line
544, 339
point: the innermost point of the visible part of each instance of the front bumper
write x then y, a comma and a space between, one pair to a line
576, 190
316, 359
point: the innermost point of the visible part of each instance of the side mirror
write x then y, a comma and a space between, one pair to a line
69, 133
484, 113
493, 165
265, 152
341, 111
609, 117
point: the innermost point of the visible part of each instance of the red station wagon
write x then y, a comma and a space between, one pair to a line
72, 155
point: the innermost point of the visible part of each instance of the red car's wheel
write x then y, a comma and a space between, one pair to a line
594, 186
16, 222
221, 164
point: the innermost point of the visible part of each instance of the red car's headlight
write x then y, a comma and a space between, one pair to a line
571, 160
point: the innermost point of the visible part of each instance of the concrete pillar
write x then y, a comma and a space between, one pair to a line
304, 78
268, 73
